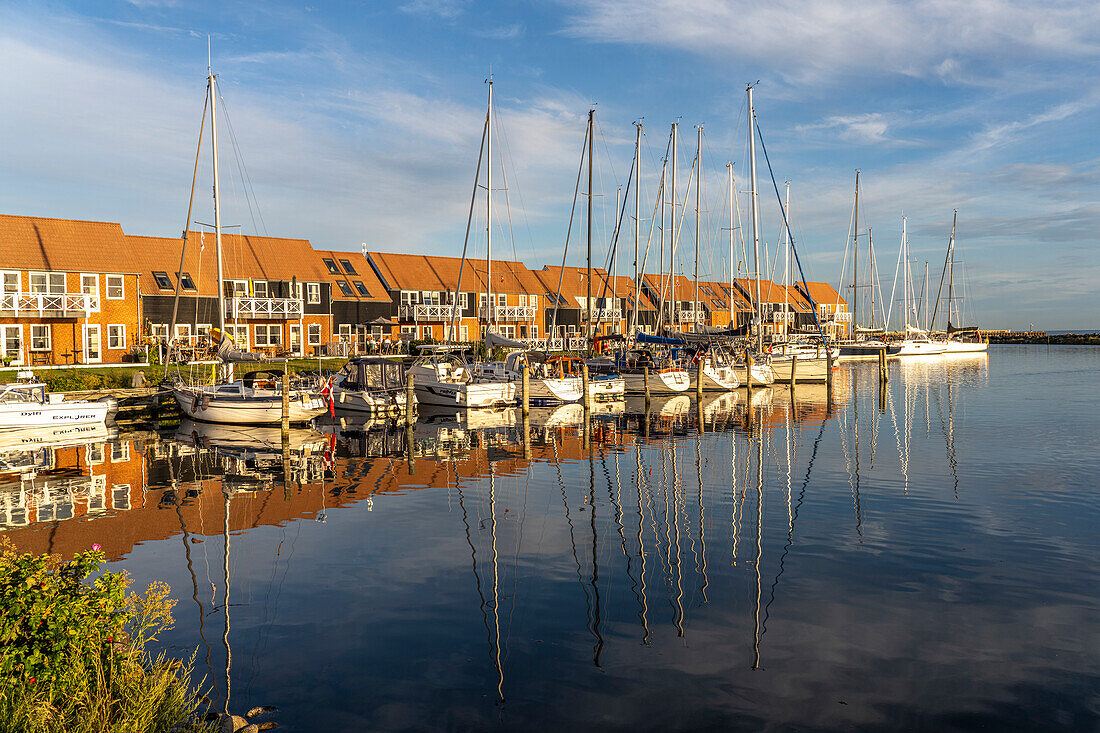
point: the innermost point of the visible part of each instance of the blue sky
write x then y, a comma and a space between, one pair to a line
360, 123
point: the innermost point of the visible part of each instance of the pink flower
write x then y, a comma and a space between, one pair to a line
96, 547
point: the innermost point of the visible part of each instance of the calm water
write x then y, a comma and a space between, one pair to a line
924, 559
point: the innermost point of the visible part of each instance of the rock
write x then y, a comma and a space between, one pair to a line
260, 710
250, 728
269, 725
231, 724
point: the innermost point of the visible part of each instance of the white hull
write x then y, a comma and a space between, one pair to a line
671, 381
963, 347
370, 401
606, 389
567, 389
921, 348
54, 436
460, 394
23, 415
762, 375
809, 369
667, 405
246, 409
717, 378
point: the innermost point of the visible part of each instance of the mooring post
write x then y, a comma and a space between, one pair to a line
526, 385
645, 382
699, 418
409, 445
584, 384
794, 371
286, 401
410, 398
882, 374
526, 434
699, 380
748, 369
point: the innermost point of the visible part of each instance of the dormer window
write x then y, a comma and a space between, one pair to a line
361, 288
162, 280
331, 265
186, 282
348, 268
345, 289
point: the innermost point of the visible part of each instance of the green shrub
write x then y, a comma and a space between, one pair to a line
73, 654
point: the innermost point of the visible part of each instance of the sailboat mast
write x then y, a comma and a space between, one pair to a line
489, 217
786, 255
698, 188
637, 222
588, 280
673, 317
951, 272
212, 85
871, 265
855, 258
729, 168
905, 272
755, 222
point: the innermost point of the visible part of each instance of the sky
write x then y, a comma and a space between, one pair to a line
350, 123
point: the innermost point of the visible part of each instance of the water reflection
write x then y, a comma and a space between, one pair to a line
754, 557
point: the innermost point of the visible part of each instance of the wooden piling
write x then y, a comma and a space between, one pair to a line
526, 432
584, 384
699, 380
748, 369
526, 384
410, 398
882, 374
286, 402
645, 381
410, 444
794, 371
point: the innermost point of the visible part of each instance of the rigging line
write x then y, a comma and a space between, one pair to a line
565, 252
794, 250
243, 169
469, 222
502, 138
504, 180
618, 229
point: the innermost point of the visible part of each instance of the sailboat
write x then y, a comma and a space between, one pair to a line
916, 341
257, 399
960, 339
442, 375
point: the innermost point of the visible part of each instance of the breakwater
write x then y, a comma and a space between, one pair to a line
1042, 337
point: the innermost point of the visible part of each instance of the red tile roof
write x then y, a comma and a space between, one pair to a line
63, 245
364, 273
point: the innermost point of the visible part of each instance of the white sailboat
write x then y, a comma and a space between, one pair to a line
960, 339
257, 399
29, 406
916, 341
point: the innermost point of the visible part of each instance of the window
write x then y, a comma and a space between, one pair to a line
115, 289
183, 330
203, 329
523, 300
409, 297
361, 288
533, 301
345, 289
269, 335
502, 299
40, 337
534, 332
331, 265
463, 332
313, 333
159, 331
463, 300
120, 451
313, 293
237, 288
345, 332
239, 334
11, 282
408, 331
348, 268
116, 336
95, 453
706, 289
426, 332
93, 346
47, 282
259, 288
162, 280
430, 297
89, 285
11, 345
481, 300
186, 282
120, 495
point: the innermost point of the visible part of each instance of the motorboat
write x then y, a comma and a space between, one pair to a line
443, 377
370, 384
28, 404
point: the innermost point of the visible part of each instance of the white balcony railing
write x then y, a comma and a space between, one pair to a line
782, 316
575, 343
56, 305
509, 313
427, 312
692, 316
604, 314
842, 317
275, 308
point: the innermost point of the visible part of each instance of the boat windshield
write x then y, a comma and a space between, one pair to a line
23, 393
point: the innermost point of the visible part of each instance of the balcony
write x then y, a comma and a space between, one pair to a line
782, 316
600, 315
428, 312
273, 308
692, 316
842, 317
49, 305
509, 313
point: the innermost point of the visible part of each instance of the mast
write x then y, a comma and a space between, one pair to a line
905, 273
489, 217
673, 316
729, 168
855, 259
951, 272
786, 256
871, 265
637, 212
588, 280
217, 202
698, 187
755, 223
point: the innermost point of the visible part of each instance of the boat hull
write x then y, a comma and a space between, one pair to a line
460, 394
762, 375
208, 407
21, 415
370, 402
810, 369
866, 351
965, 347
554, 391
717, 378
667, 381
921, 348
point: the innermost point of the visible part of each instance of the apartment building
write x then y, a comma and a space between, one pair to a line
360, 306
